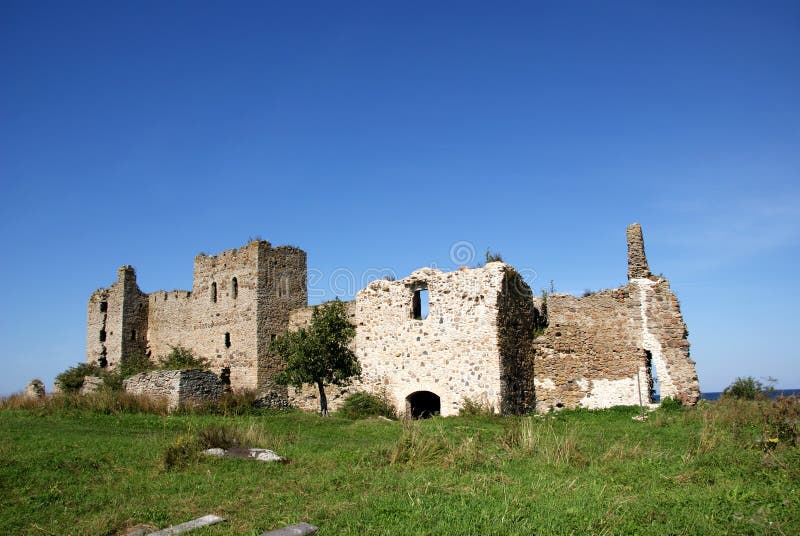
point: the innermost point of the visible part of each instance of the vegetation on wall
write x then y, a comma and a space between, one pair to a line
181, 358
72, 379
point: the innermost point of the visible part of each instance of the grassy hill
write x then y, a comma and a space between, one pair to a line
720, 468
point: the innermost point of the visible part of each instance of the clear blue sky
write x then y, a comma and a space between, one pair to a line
378, 134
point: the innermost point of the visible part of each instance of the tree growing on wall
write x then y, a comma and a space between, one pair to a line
319, 354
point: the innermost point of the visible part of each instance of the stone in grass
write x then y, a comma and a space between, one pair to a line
189, 525
299, 529
261, 455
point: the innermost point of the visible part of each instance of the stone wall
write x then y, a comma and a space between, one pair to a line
177, 387
591, 351
454, 352
224, 323
477, 340
282, 288
602, 350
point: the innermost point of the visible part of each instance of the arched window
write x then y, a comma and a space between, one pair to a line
234, 288
213, 293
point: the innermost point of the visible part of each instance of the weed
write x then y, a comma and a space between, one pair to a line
181, 453
475, 407
418, 447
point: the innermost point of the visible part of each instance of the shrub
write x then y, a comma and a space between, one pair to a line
474, 407
71, 380
671, 404
134, 364
493, 256
182, 358
745, 388
183, 451
361, 405
782, 419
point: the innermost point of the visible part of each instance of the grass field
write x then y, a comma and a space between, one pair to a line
698, 471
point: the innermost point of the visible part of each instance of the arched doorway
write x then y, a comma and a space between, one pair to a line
423, 404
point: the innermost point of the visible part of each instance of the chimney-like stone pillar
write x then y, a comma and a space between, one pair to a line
637, 261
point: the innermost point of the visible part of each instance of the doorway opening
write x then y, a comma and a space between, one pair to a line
423, 404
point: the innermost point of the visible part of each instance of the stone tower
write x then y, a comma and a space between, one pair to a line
240, 300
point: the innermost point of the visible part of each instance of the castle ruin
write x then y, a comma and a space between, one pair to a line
483, 336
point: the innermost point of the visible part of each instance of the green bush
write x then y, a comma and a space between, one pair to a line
745, 388
71, 380
361, 405
671, 404
134, 364
181, 358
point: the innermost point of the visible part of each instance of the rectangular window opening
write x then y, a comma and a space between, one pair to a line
419, 304
103, 306
227, 340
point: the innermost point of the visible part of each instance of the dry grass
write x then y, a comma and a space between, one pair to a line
101, 401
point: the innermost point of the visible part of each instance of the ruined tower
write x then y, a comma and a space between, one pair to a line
240, 300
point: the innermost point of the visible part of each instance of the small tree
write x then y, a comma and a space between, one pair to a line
320, 354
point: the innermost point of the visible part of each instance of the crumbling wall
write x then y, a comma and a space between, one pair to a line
665, 337
602, 350
177, 387
454, 352
590, 352
116, 321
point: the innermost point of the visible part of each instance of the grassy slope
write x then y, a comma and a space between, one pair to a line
587, 472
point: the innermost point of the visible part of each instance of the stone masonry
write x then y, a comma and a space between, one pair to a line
481, 336
177, 387
240, 300
601, 350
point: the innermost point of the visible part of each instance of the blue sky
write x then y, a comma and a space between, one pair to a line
376, 135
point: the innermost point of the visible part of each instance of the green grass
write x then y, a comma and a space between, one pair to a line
699, 471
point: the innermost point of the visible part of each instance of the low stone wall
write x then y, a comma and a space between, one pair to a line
177, 387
